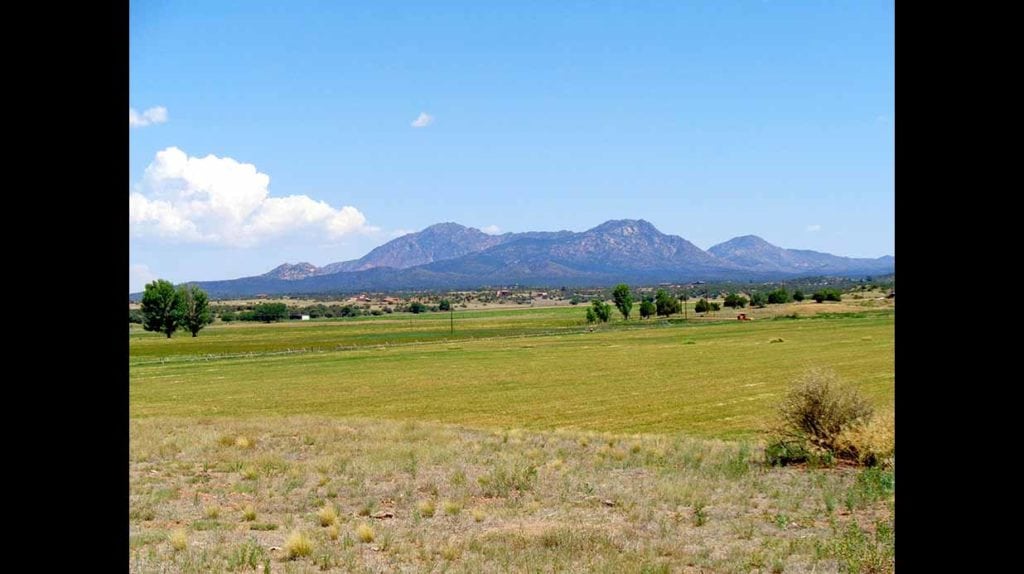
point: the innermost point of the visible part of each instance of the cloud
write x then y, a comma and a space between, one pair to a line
220, 201
138, 275
814, 228
491, 230
156, 115
423, 120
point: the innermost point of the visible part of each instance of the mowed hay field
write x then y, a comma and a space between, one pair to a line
525, 443
717, 379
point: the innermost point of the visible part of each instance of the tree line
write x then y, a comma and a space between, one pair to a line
664, 304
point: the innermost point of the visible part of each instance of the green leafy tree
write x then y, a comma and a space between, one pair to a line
417, 307
757, 299
591, 316
270, 312
136, 316
445, 305
647, 308
778, 296
665, 304
715, 306
602, 310
195, 308
701, 306
623, 299
733, 300
160, 308
684, 298
798, 295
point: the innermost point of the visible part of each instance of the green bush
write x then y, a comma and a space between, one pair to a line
733, 300
827, 295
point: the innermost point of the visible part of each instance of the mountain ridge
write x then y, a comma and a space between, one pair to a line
449, 255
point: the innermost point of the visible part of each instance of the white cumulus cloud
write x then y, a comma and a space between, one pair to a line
813, 228
155, 115
218, 200
138, 275
491, 230
423, 120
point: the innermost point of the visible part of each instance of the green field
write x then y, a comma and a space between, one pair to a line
532, 369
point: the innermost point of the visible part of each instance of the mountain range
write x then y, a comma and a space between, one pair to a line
452, 256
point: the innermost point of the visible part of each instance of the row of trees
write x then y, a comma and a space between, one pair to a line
663, 304
166, 309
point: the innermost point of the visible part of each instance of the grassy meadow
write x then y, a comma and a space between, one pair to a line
526, 441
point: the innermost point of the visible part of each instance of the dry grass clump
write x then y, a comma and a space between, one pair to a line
178, 539
364, 533
297, 545
327, 515
870, 442
426, 508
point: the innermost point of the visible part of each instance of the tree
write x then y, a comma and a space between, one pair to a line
602, 310
684, 298
623, 299
647, 308
136, 316
417, 307
733, 300
665, 304
269, 312
757, 299
827, 295
160, 308
591, 317
701, 306
798, 295
715, 306
195, 308
445, 305
778, 296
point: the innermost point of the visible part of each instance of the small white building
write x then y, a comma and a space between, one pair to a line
305, 317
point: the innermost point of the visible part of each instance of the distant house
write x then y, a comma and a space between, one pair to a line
305, 318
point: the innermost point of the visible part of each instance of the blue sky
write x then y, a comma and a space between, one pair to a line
314, 131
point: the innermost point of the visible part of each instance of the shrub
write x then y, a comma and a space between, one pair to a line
249, 513
733, 300
297, 545
827, 295
781, 453
798, 295
870, 442
701, 306
602, 311
819, 409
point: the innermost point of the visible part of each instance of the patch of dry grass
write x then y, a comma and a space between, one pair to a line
592, 501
